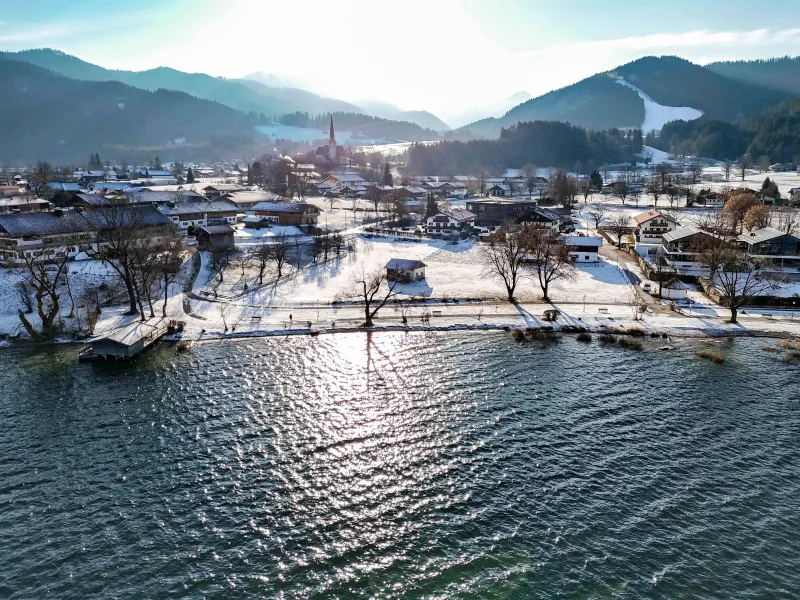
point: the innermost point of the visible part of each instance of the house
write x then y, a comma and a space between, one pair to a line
781, 249
201, 214
215, 237
494, 212
33, 234
794, 194
542, 218
288, 213
345, 180
651, 225
218, 189
674, 289
499, 190
158, 197
404, 270
128, 341
680, 249
254, 222
24, 204
582, 248
247, 199
440, 188
449, 222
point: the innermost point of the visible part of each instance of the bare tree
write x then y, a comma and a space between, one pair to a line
727, 167
763, 163
654, 189
744, 163
504, 258
619, 226
548, 258
585, 188
696, 171
562, 188
530, 172
738, 277
788, 220
168, 265
280, 252
620, 190
45, 274
598, 214
372, 288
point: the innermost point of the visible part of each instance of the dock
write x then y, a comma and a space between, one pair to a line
127, 341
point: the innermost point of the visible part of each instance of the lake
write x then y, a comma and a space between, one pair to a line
391, 465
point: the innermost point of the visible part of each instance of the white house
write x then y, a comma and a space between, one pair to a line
794, 194
404, 270
674, 289
450, 221
201, 214
652, 225
583, 249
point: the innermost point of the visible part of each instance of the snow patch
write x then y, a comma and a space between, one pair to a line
657, 115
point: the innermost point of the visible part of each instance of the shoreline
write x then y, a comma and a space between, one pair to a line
649, 333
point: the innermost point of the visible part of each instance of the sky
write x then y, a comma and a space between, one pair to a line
446, 56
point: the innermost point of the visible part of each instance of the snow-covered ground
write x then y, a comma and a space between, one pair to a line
657, 115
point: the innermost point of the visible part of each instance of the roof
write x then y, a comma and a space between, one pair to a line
675, 284
53, 223
133, 333
404, 264
681, 232
762, 235
651, 214
583, 241
285, 207
217, 229
248, 196
22, 201
459, 214
225, 187
187, 208
64, 187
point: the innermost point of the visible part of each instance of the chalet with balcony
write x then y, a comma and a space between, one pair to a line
651, 225
781, 249
201, 214
450, 222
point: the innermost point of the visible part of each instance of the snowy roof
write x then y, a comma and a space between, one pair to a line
761, 235
252, 196
22, 201
459, 214
185, 208
404, 264
53, 223
583, 241
675, 284
217, 229
64, 187
145, 195
134, 332
286, 207
224, 187
681, 232
651, 214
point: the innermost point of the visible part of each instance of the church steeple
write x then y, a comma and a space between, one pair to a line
333, 137
332, 144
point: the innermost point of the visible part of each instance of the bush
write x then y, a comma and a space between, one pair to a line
711, 355
607, 339
518, 335
789, 344
636, 331
629, 343
584, 337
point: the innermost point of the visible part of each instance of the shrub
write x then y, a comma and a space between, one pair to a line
518, 335
607, 339
584, 337
636, 331
183, 346
632, 344
711, 355
789, 344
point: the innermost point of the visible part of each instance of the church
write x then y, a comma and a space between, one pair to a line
331, 152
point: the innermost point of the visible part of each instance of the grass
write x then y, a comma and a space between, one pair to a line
584, 337
789, 344
711, 355
635, 331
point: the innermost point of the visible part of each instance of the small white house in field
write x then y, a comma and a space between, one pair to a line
583, 249
674, 289
448, 222
403, 270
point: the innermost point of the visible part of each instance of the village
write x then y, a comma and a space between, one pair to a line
664, 243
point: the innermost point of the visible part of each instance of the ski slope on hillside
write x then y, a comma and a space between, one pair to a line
656, 115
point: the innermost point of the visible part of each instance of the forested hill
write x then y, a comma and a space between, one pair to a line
774, 134
776, 73
599, 102
371, 127
48, 116
540, 142
244, 95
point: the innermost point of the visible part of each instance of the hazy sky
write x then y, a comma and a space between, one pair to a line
442, 55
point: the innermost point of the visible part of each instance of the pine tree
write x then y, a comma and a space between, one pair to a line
387, 175
596, 180
431, 208
190, 176
157, 164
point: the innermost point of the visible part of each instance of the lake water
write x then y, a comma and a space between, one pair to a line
424, 465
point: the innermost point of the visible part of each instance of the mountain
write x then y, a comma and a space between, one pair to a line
422, 118
48, 116
491, 109
775, 73
243, 95
648, 90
